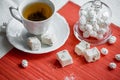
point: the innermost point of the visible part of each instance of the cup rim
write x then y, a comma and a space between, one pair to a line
20, 11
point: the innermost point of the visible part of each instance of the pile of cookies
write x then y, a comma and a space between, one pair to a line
94, 23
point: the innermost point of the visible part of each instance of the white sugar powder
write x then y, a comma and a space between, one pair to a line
70, 77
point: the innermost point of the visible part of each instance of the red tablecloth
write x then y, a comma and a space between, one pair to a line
46, 66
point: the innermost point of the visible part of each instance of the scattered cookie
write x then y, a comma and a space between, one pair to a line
117, 57
81, 47
24, 63
104, 51
48, 39
112, 65
92, 55
64, 58
112, 40
3, 28
34, 43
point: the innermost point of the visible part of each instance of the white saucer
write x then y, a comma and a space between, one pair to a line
17, 35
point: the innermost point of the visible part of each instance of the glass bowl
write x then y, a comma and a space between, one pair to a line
94, 22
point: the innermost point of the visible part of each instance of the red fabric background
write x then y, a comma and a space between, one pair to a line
46, 67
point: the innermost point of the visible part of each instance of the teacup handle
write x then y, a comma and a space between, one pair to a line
12, 13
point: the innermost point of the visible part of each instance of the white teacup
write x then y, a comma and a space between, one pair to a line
33, 27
